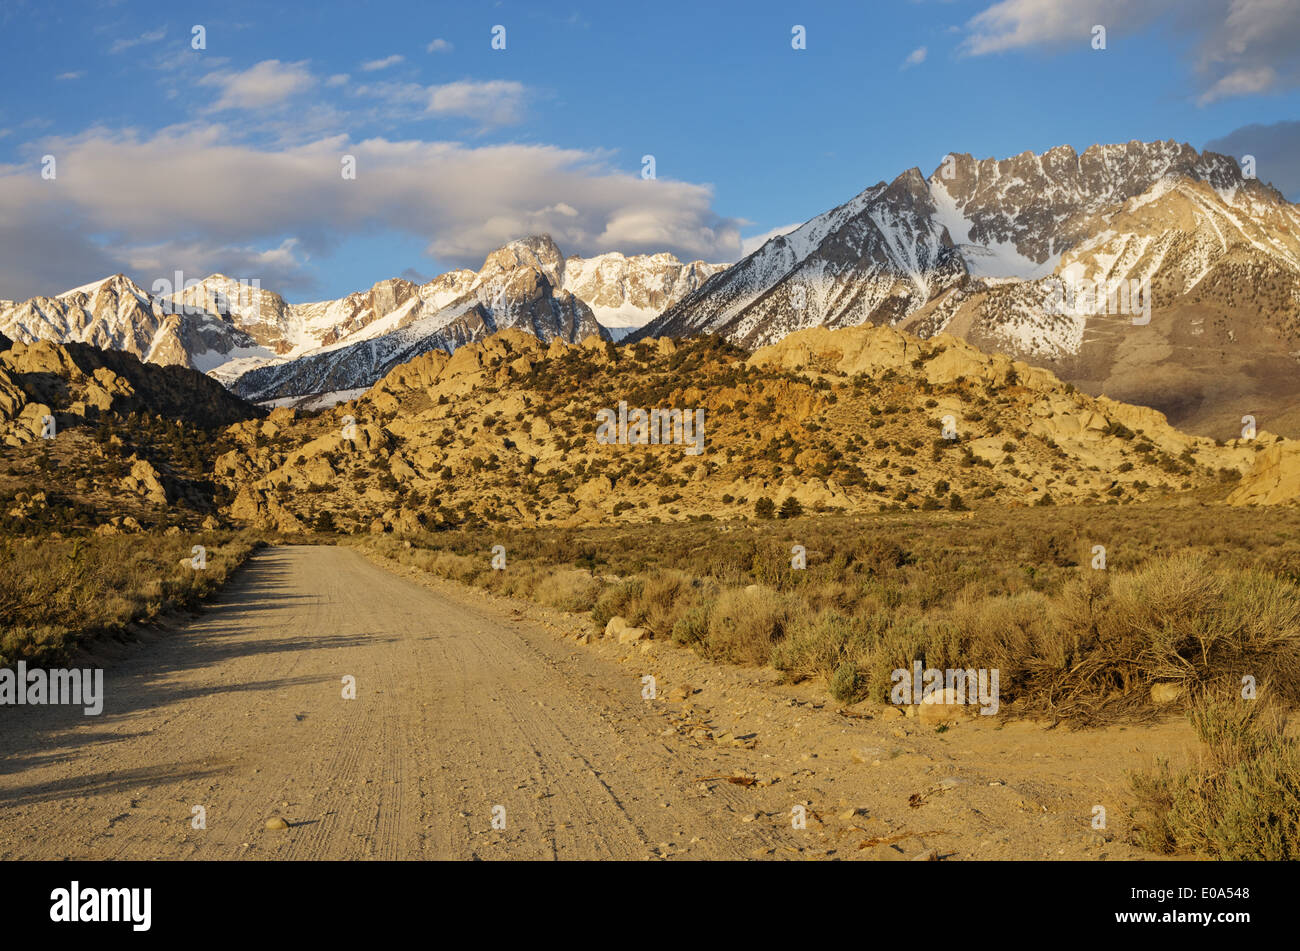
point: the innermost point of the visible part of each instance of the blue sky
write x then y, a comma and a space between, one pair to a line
228, 158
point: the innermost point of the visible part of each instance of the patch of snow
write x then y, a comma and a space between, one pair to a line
994, 260
315, 401
87, 289
624, 318
225, 367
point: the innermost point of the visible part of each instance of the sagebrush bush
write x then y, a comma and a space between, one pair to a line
692, 628
844, 683
666, 596
1241, 800
617, 599
568, 590
744, 625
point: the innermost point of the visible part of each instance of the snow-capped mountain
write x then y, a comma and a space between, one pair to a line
232, 329
117, 314
518, 286
894, 247
626, 293
990, 250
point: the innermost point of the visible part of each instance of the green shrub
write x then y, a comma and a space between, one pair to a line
1241, 801
616, 600
844, 683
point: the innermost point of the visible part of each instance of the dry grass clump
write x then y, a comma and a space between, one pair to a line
58, 593
1240, 801
573, 589
745, 625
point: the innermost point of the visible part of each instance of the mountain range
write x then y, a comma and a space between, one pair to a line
264, 348
1145, 271
504, 430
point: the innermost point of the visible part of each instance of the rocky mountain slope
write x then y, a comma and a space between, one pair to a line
1003, 252
230, 328
510, 430
519, 286
94, 438
857, 419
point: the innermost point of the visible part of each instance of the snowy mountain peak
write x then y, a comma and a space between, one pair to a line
891, 249
535, 251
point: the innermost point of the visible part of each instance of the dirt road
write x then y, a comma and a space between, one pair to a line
466, 702
241, 712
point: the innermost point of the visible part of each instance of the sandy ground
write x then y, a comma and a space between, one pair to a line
466, 702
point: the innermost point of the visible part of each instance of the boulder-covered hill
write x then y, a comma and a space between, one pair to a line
95, 439
76, 383
504, 431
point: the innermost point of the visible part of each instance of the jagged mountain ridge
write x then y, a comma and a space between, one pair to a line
519, 286
229, 329
115, 313
628, 292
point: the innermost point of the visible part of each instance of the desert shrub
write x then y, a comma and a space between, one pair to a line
820, 644
1182, 620
573, 589
744, 625
1059, 547
692, 628
1094, 650
617, 600
844, 683
884, 554
1241, 800
899, 644
665, 597
56, 594
458, 567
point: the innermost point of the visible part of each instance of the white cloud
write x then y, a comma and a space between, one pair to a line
268, 83
338, 79
495, 102
438, 45
1016, 24
1242, 47
1240, 82
371, 66
153, 36
278, 268
197, 198
915, 58
73, 75
751, 244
